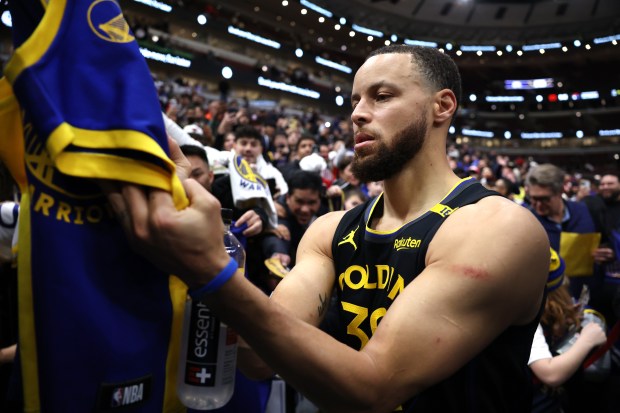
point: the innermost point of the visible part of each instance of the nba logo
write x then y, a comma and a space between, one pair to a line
117, 397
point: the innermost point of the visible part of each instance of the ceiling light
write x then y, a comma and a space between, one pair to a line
337, 27
227, 72
285, 3
352, 33
304, 11
316, 8
333, 65
321, 19
420, 43
202, 19
366, 30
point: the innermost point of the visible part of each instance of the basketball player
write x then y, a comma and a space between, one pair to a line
439, 285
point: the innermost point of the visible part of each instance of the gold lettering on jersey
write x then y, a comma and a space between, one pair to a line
378, 277
348, 239
406, 243
45, 204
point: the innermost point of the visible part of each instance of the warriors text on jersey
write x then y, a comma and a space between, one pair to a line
98, 324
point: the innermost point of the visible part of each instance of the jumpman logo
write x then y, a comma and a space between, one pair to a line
349, 238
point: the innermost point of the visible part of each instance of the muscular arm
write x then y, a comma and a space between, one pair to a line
478, 281
305, 291
430, 331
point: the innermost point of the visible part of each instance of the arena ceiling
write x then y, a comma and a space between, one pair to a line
498, 22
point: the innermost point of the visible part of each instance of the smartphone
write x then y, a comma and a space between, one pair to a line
272, 185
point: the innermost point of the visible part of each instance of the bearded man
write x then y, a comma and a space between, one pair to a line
439, 284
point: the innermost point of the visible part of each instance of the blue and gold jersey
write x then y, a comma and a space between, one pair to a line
98, 325
373, 268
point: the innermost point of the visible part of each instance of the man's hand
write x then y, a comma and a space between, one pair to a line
255, 225
285, 259
282, 232
334, 191
602, 255
184, 168
187, 243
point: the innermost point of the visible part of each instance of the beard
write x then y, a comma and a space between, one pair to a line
388, 159
612, 198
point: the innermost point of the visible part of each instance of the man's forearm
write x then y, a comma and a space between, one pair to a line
250, 364
331, 374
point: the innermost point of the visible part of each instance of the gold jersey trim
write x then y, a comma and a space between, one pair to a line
438, 208
39, 42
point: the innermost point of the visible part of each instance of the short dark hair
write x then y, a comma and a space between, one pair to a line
304, 180
194, 150
437, 68
304, 137
344, 162
246, 131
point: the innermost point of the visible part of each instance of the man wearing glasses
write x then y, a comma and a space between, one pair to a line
569, 224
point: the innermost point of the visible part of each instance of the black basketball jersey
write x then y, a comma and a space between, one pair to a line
373, 267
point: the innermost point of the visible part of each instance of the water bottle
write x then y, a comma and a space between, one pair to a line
206, 377
599, 370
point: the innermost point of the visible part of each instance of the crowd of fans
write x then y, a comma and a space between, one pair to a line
313, 156
305, 158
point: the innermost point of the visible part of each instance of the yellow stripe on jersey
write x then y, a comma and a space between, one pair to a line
33, 49
12, 148
103, 166
27, 336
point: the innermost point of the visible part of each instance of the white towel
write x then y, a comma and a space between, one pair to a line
250, 189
